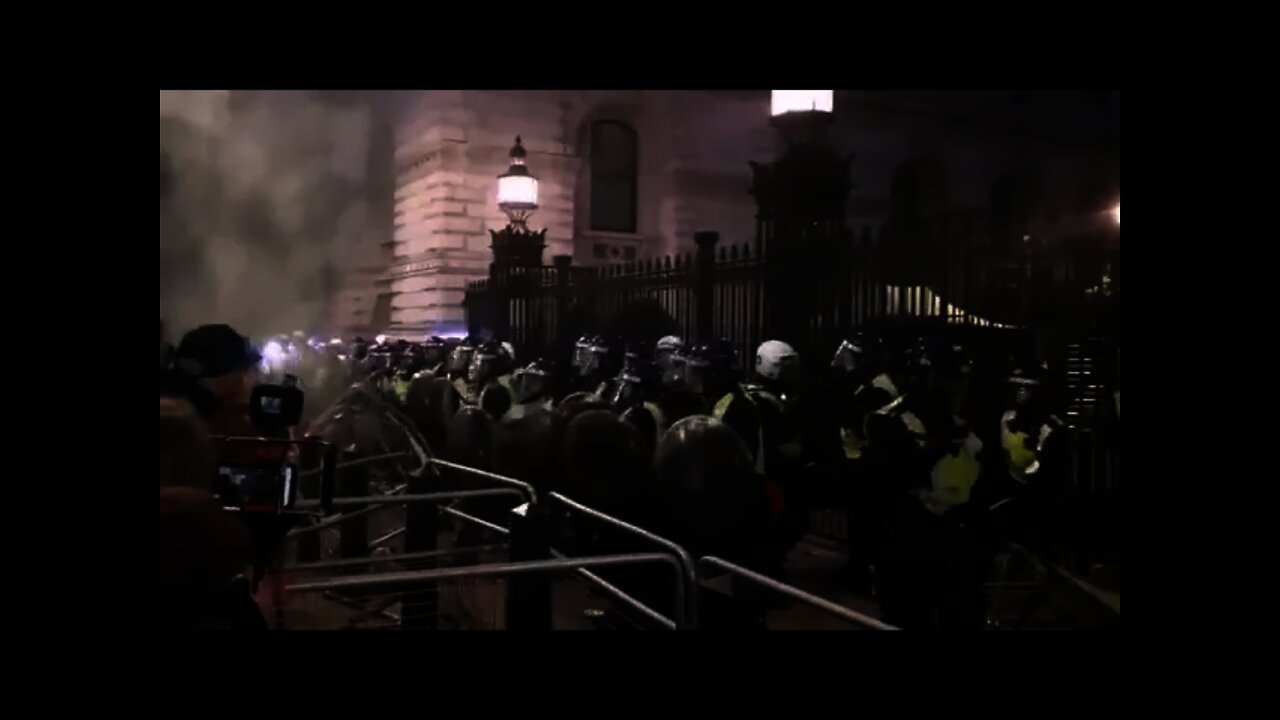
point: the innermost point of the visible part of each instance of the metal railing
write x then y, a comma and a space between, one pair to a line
827, 606
687, 615
530, 495
396, 580
400, 558
687, 572
406, 499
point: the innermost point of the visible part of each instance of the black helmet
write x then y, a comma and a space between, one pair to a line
714, 353
214, 350
709, 362
1025, 379
595, 354
489, 360
1026, 371
708, 487
639, 375
605, 461
581, 350
532, 381
460, 357
434, 351
861, 351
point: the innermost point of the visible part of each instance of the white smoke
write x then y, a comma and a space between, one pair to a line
268, 200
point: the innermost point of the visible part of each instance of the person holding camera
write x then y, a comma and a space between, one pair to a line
217, 368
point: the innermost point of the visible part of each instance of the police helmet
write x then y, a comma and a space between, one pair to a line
532, 381
669, 344
713, 361
775, 358
599, 355
1025, 379
708, 487
581, 352
638, 376
489, 360
860, 351
460, 357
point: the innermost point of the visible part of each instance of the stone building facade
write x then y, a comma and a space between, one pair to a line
1047, 164
635, 173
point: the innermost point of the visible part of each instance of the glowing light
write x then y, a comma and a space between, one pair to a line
1117, 213
273, 352
518, 189
335, 341
380, 339
786, 101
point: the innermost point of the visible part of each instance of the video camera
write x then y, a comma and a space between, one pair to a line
259, 479
274, 408
258, 475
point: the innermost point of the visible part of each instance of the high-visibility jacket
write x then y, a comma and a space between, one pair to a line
952, 476
1024, 458
853, 439
659, 418
721, 410
792, 448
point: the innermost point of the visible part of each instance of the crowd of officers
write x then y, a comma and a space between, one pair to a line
938, 459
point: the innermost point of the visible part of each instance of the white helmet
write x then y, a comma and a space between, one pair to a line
772, 356
670, 343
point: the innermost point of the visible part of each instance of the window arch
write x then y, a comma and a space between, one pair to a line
614, 171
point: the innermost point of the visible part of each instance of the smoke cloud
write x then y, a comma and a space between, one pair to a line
264, 200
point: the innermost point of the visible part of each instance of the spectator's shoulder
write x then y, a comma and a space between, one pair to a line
175, 407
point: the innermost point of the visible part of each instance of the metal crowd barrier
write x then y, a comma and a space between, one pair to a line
526, 536
765, 581
1040, 590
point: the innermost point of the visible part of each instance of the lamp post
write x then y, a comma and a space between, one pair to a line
800, 213
517, 250
516, 245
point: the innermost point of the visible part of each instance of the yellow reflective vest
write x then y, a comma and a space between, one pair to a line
722, 408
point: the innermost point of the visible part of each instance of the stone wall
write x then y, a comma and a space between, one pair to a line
693, 148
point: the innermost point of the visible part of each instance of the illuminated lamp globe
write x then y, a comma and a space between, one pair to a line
518, 188
801, 101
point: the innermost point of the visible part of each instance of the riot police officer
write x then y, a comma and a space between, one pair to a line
775, 391
668, 355
488, 381
1035, 441
923, 463
635, 394
674, 398
531, 389
711, 372
460, 362
712, 502
596, 362
435, 353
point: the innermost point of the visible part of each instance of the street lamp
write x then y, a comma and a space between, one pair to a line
801, 200
801, 115
792, 101
518, 189
516, 246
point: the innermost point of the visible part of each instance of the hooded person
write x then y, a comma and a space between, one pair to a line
219, 368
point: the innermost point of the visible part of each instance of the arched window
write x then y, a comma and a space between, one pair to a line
613, 177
